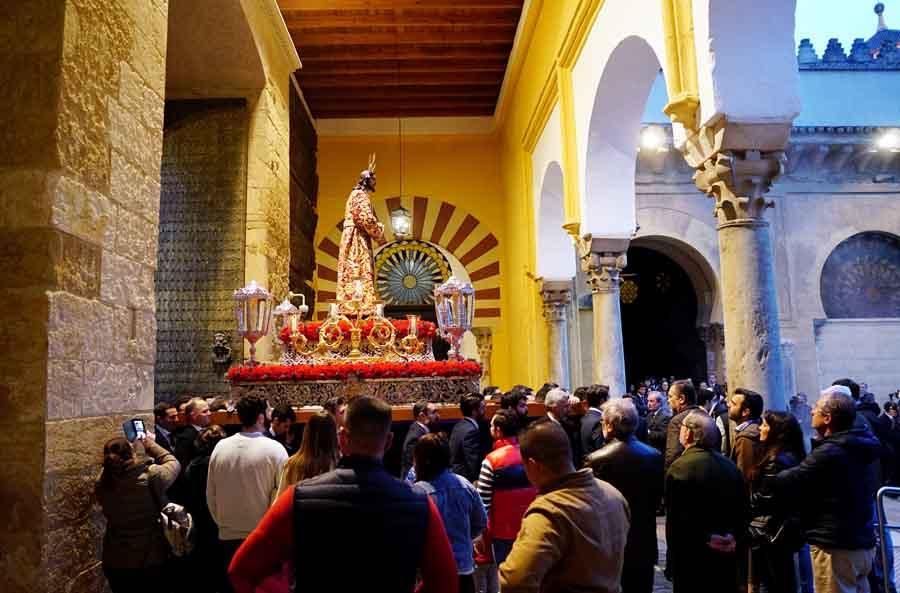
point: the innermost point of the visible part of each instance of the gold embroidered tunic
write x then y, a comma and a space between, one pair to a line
355, 260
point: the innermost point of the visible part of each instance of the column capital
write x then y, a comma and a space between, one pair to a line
603, 260
556, 295
736, 165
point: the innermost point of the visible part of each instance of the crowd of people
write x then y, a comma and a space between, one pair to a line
563, 502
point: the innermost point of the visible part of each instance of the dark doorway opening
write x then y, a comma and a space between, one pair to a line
659, 319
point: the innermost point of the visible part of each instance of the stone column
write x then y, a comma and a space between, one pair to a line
556, 296
790, 372
485, 341
736, 165
82, 87
603, 261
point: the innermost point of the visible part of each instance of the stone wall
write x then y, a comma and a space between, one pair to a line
304, 193
82, 84
864, 349
201, 241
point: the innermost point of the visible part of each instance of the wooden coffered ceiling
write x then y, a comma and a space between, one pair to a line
402, 58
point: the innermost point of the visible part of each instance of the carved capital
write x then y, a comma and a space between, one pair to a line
736, 165
484, 340
738, 180
556, 296
604, 271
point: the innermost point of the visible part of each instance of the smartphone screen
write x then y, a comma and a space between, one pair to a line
139, 429
129, 430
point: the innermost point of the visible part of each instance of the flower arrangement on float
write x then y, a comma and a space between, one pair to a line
310, 330
341, 371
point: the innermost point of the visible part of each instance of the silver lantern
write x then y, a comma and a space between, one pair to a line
454, 304
253, 310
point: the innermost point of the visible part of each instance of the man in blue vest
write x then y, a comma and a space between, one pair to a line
356, 528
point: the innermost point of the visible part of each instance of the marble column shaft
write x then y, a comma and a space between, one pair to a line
557, 295
737, 181
603, 269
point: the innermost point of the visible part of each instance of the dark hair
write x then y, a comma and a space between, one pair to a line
181, 400
431, 456
160, 410
207, 438
511, 399
705, 396
490, 390
752, 401
890, 406
785, 436
218, 404
332, 405
519, 388
545, 441
284, 412
685, 389
318, 453
541, 394
596, 395
368, 419
118, 456
469, 403
249, 408
420, 407
853, 385
506, 421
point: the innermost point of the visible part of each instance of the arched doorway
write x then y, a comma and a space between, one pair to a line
659, 319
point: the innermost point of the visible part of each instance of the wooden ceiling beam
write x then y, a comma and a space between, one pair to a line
400, 93
304, 40
388, 103
406, 112
402, 67
327, 19
326, 80
315, 5
364, 53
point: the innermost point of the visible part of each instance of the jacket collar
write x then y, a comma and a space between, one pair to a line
578, 479
360, 462
506, 441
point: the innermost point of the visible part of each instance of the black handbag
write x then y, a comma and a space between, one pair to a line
768, 530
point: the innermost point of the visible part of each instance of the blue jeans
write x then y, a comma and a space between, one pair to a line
804, 570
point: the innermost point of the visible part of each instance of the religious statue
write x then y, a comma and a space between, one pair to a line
356, 273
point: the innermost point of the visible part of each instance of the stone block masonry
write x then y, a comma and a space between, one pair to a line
82, 84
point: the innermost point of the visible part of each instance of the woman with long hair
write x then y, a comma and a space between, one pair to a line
318, 454
775, 535
131, 493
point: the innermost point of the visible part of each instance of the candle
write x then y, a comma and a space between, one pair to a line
333, 310
358, 289
294, 323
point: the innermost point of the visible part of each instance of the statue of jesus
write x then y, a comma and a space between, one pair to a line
356, 274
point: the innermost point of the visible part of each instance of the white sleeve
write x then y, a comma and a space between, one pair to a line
211, 488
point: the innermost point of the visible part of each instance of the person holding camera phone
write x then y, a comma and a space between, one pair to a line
129, 491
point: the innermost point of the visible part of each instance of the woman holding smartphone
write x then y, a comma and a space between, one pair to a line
131, 492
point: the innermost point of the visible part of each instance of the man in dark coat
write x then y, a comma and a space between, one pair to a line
425, 415
682, 400
465, 439
702, 530
635, 470
657, 421
833, 491
591, 431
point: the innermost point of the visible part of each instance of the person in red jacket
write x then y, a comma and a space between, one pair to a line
356, 528
503, 485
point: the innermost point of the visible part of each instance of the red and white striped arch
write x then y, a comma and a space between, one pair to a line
438, 222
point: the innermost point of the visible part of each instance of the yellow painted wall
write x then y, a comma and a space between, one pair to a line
547, 24
461, 170
489, 175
